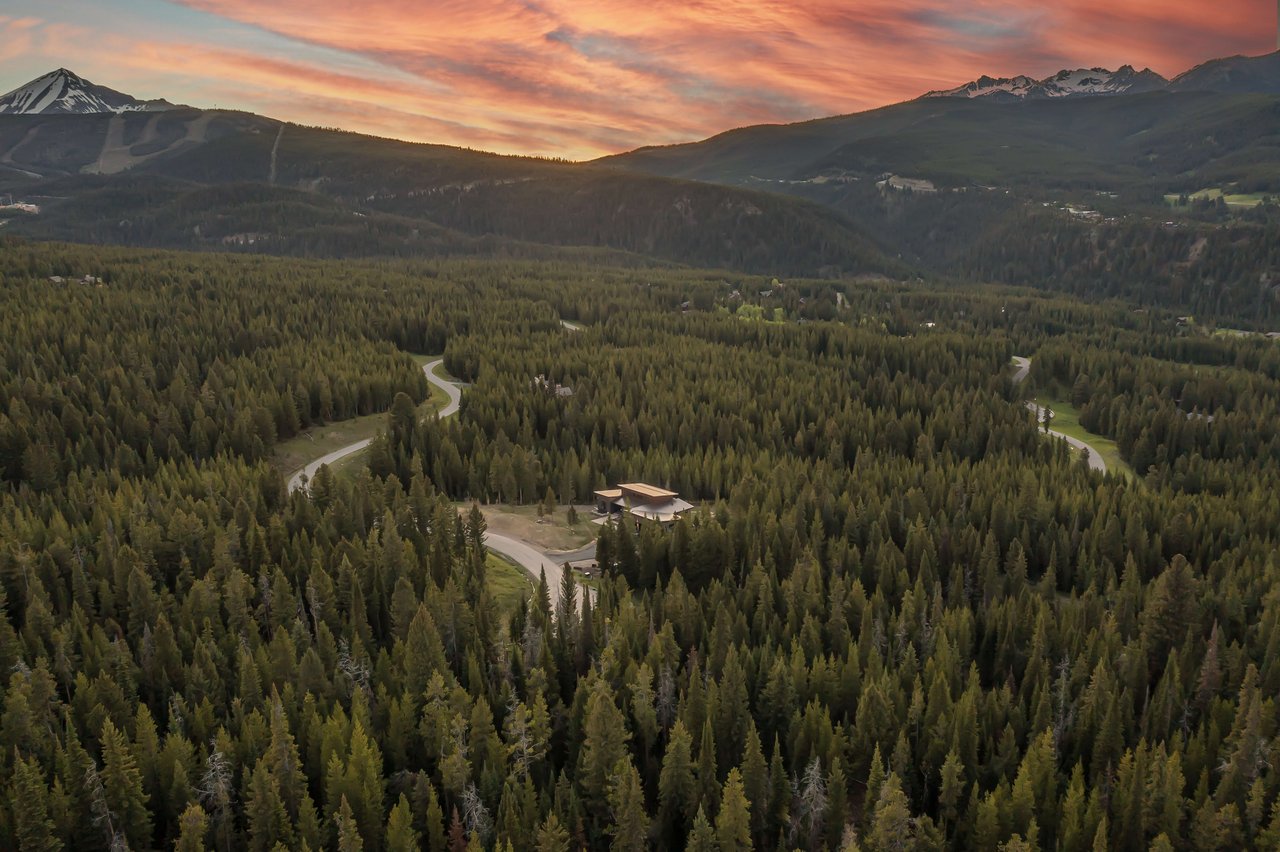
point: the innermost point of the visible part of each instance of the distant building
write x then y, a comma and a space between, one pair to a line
643, 503
590, 568
542, 383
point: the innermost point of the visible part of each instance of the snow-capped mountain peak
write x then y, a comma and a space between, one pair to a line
1080, 82
63, 91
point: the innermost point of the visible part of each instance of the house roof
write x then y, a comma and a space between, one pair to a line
646, 490
609, 493
664, 512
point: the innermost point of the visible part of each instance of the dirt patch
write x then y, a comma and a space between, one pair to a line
551, 535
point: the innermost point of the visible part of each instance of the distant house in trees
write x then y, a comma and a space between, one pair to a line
590, 568
554, 388
643, 503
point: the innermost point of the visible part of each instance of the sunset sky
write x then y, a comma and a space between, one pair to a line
579, 79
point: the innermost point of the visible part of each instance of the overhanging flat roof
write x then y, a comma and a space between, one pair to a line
663, 512
610, 493
647, 490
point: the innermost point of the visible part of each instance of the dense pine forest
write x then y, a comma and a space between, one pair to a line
901, 617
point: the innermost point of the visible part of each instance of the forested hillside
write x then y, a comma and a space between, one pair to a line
1163, 198
900, 618
238, 182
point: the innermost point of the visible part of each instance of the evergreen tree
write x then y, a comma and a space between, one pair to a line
677, 792
29, 801
604, 743
629, 827
733, 824
552, 836
401, 836
348, 832
707, 779
193, 826
122, 786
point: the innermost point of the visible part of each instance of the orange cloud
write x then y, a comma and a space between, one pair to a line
578, 78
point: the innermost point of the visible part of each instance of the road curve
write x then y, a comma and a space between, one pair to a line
451, 390
1024, 369
305, 474
530, 559
534, 561
586, 553
1095, 457
308, 472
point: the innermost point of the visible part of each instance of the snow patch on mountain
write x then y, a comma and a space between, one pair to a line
63, 92
1080, 82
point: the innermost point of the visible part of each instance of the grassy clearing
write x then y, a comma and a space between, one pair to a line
350, 466
508, 583
319, 440
1242, 199
554, 532
1066, 419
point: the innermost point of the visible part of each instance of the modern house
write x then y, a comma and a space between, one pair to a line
643, 503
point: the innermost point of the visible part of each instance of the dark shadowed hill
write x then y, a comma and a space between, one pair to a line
195, 179
1163, 196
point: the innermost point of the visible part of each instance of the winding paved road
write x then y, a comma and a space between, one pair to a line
1095, 458
586, 553
296, 479
1024, 368
450, 389
532, 560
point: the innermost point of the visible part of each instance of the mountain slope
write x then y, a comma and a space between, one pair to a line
1067, 193
322, 192
1179, 140
62, 92
1236, 75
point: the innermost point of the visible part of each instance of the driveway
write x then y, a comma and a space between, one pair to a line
586, 553
534, 561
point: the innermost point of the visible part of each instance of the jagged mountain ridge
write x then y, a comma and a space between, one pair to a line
63, 92
1230, 75
1080, 82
